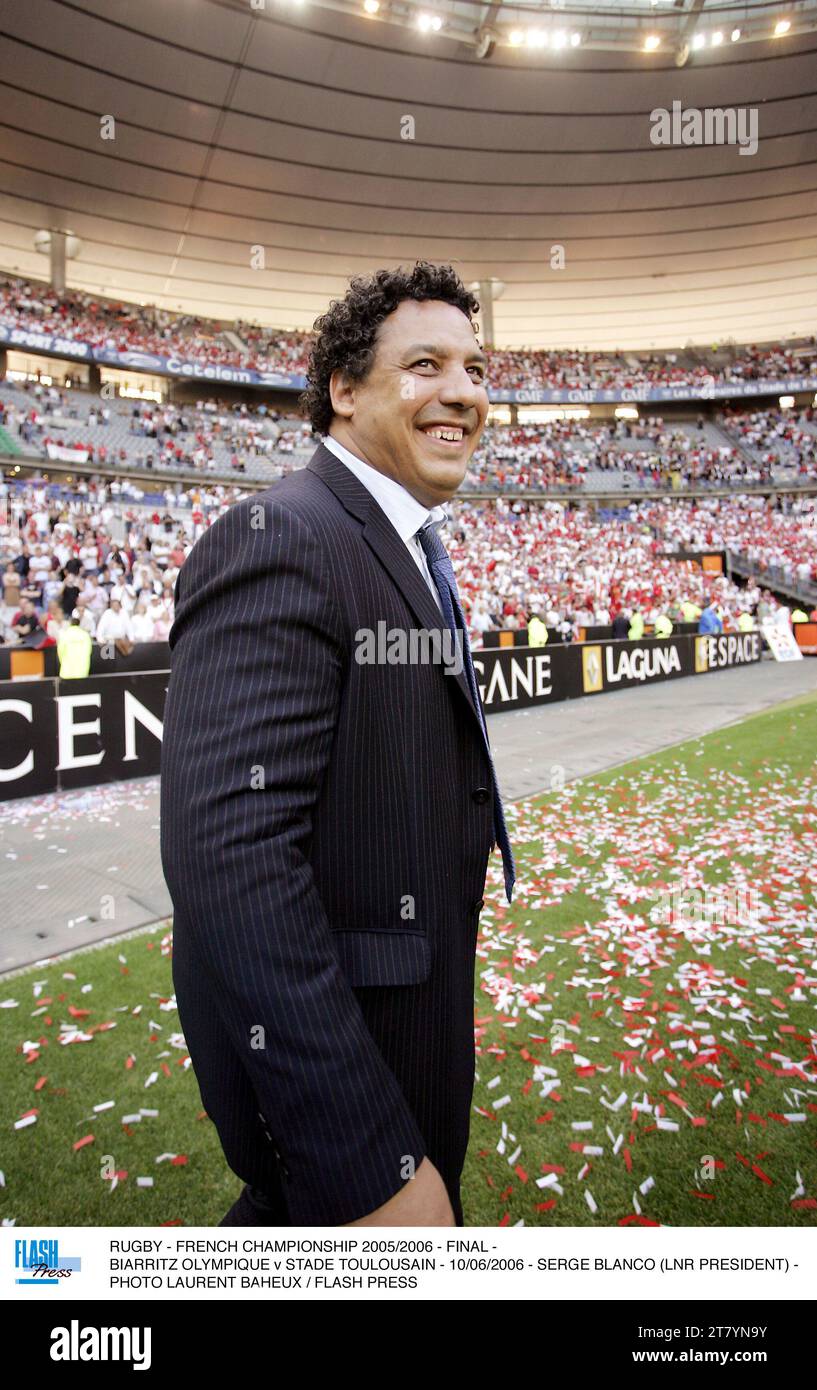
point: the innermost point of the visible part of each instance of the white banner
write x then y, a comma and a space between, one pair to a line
781, 641
66, 454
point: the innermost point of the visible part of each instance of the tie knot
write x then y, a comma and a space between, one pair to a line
431, 543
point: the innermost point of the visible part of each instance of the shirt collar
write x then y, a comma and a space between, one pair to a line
406, 514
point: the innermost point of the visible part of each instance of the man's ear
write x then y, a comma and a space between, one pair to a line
342, 394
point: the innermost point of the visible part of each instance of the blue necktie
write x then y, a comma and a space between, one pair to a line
442, 571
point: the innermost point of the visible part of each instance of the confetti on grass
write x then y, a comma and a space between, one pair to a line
57, 1021
675, 1034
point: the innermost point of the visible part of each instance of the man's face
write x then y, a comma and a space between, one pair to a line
428, 371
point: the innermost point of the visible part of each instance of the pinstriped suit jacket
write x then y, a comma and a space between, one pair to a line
325, 831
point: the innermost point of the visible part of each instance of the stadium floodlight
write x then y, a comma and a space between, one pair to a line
371, 6
651, 42
785, 402
717, 39
575, 39
698, 41
537, 38
429, 21
782, 27
735, 35
560, 39
516, 37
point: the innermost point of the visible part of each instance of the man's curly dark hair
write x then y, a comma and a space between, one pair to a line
346, 332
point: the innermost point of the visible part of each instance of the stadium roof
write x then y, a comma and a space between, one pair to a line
247, 124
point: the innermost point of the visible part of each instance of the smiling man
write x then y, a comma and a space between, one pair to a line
326, 824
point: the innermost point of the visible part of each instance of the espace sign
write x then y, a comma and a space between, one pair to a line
728, 649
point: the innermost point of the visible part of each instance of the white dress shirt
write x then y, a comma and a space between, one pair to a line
406, 514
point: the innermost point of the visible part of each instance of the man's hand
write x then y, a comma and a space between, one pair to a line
423, 1201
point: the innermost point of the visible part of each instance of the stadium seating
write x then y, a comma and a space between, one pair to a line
123, 327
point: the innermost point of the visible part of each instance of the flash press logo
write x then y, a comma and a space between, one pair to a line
75, 1343
709, 125
39, 1262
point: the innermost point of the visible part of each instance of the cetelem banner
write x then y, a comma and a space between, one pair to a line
194, 369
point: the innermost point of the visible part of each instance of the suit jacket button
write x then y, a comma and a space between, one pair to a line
481, 795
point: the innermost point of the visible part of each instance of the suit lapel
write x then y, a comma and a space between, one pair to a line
390, 550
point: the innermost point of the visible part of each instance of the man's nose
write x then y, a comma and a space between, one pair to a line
457, 387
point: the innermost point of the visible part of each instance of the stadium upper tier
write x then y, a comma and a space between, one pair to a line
151, 339
762, 447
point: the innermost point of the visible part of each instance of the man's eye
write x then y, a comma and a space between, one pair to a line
423, 362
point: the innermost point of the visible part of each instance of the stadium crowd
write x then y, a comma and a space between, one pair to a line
576, 569
60, 558
211, 436
111, 558
776, 436
780, 546
125, 327
206, 436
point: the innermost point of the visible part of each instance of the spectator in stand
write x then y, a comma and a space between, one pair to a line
96, 599
71, 589
84, 616
114, 624
11, 586
162, 625
26, 625
55, 623
39, 565
142, 626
